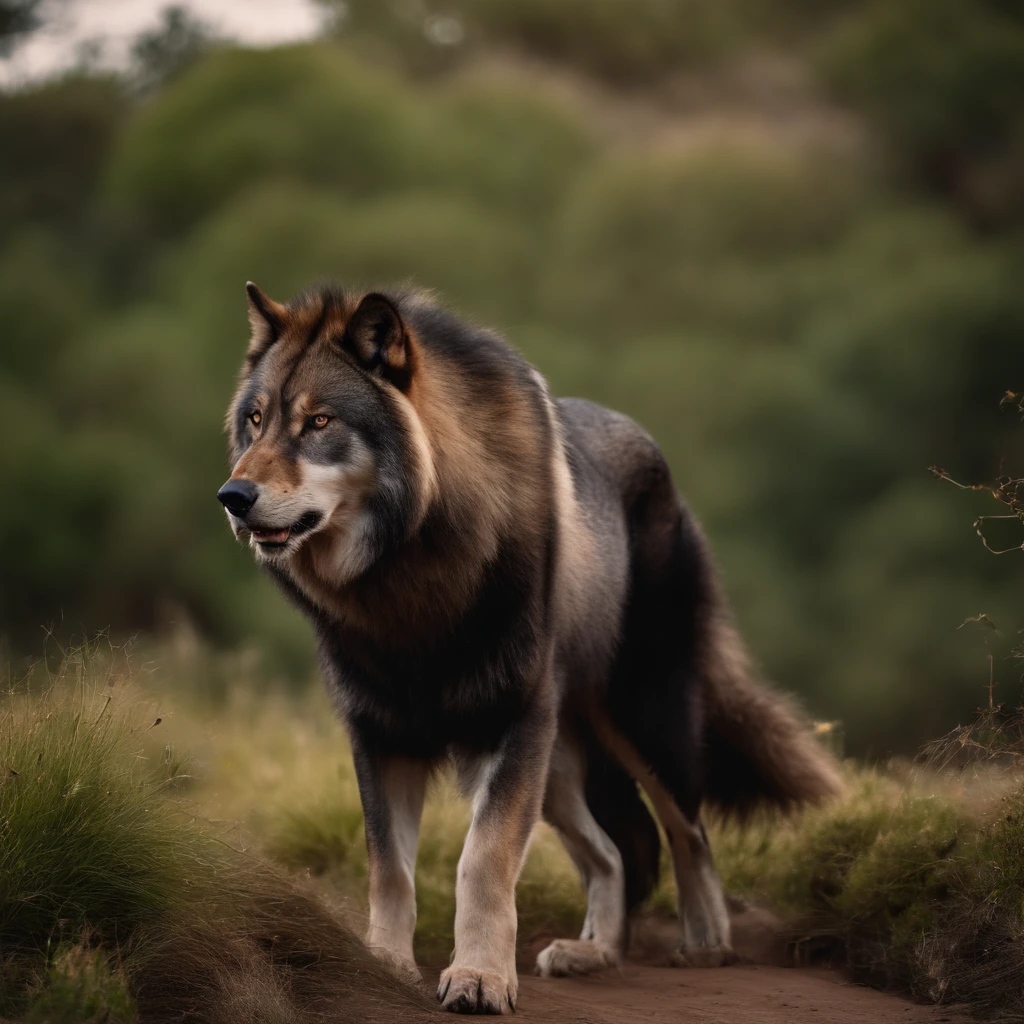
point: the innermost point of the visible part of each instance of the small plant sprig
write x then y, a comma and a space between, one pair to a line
1007, 490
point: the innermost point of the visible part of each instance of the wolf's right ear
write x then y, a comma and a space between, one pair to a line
266, 319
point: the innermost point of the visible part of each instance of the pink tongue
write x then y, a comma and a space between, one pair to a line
271, 536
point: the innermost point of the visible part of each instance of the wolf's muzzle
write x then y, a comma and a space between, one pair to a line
238, 496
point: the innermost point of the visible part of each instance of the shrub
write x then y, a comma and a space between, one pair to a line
238, 116
507, 145
65, 131
939, 80
628, 42
658, 240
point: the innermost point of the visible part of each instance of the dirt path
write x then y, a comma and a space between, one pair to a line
757, 991
744, 994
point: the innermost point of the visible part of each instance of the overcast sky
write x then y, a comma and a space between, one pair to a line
113, 24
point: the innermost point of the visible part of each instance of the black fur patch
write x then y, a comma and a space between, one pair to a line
463, 685
615, 802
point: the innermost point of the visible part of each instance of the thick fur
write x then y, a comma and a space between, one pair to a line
758, 750
514, 583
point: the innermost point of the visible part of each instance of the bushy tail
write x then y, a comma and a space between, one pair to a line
759, 749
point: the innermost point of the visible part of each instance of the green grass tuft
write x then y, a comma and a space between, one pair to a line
81, 987
87, 841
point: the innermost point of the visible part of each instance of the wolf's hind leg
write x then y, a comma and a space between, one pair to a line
392, 791
703, 914
599, 862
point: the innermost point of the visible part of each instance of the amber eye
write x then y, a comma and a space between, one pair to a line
320, 420
256, 417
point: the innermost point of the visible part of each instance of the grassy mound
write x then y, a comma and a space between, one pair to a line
117, 905
915, 882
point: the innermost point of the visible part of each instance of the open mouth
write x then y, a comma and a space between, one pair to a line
269, 538
272, 538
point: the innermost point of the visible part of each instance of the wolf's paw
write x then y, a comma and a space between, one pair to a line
704, 956
574, 956
405, 968
470, 990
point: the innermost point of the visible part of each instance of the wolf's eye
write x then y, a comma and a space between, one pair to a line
320, 420
256, 417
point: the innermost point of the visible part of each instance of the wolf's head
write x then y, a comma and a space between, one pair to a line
327, 451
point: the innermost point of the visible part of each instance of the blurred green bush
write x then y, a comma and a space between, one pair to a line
942, 80
804, 328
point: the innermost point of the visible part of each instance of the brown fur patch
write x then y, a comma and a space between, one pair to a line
264, 464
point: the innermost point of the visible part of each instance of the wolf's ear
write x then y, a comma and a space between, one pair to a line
266, 319
376, 336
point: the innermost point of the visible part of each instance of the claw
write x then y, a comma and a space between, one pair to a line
468, 990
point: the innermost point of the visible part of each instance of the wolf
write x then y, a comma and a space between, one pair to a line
511, 583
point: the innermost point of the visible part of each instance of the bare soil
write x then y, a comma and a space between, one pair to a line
741, 994
758, 990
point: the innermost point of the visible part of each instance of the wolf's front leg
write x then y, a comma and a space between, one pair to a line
392, 790
482, 976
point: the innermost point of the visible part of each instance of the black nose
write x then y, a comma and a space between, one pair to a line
238, 496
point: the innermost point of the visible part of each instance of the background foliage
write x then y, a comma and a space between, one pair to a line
787, 237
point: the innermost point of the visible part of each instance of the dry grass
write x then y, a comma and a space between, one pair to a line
138, 878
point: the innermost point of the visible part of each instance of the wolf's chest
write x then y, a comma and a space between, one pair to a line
465, 689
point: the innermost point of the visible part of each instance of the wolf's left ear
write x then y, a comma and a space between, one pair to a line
376, 336
266, 320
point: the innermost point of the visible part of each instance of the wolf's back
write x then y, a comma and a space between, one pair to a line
759, 750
